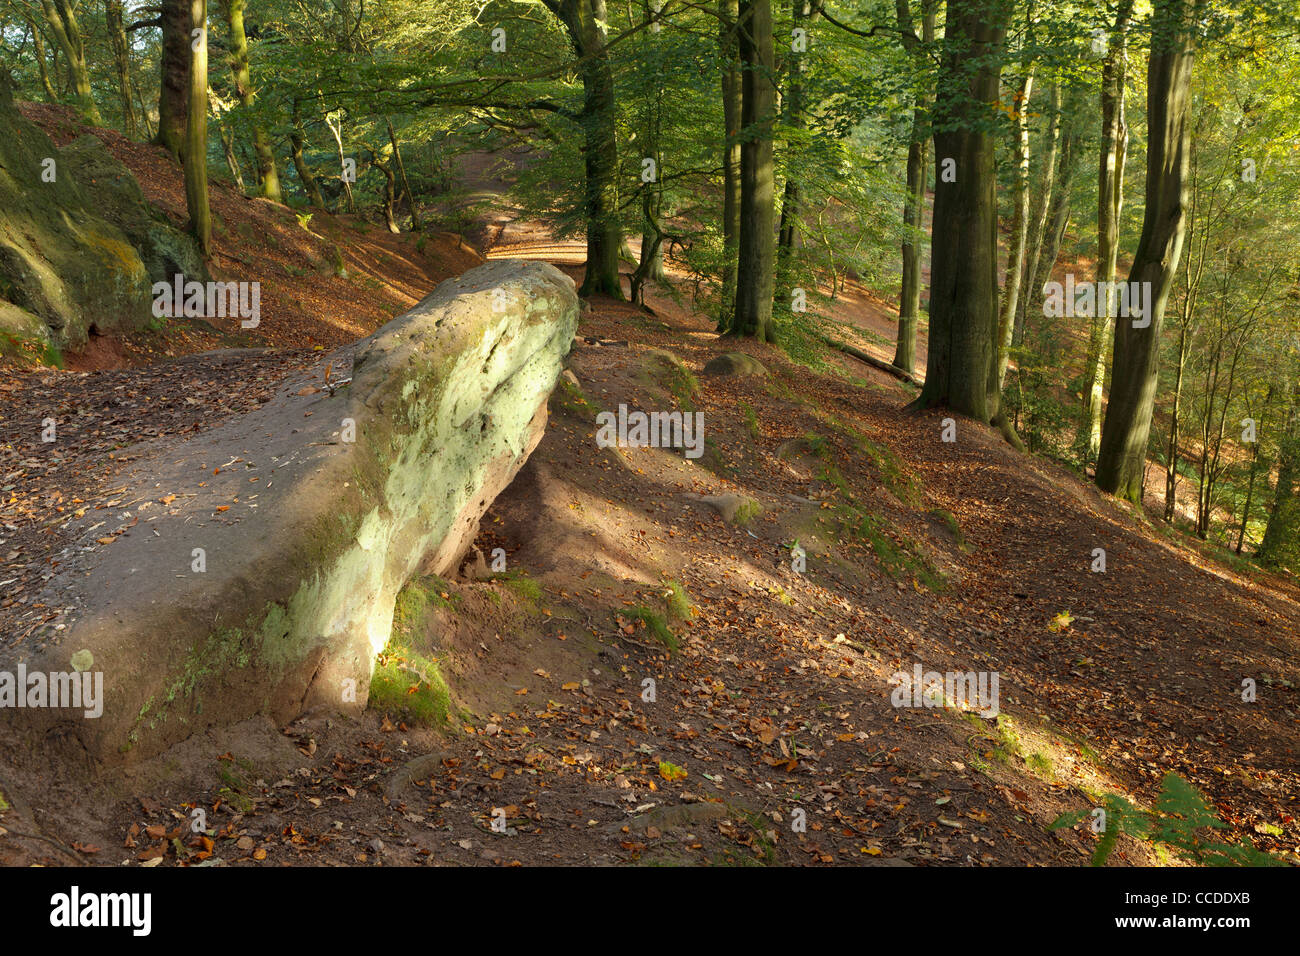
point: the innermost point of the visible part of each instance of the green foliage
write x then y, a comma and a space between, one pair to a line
410, 684
655, 624
237, 776
407, 681
666, 370
751, 420
901, 559
1042, 405
679, 602
572, 400
950, 522
1176, 822
747, 511
524, 587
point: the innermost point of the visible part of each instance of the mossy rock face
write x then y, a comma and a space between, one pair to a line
164, 249
735, 363
374, 485
63, 262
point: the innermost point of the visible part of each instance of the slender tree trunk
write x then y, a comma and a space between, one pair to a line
390, 193
1110, 200
196, 132
1042, 209
1281, 544
227, 140
963, 249
122, 62
756, 260
228, 149
268, 175
174, 81
38, 51
1171, 457
909, 300
728, 17
305, 175
1019, 229
1254, 469
416, 225
1058, 220
651, 264
1121, 465
144, 111
337, 130
60, 78
62, 18
794, 119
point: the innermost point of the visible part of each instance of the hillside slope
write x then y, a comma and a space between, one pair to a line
518, 695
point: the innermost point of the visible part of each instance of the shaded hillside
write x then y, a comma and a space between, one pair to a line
325, 280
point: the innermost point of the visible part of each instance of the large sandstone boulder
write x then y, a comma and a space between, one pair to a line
63, 266
307, 517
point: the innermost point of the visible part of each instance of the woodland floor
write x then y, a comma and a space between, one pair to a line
961, 556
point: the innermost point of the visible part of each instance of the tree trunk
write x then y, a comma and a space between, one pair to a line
794, 119
756, 247
963, 247
305, 175
1254, 469
1110, 201
38, 51
1121, 465
268, 176
1281, 544
1019, 229
651, 264
228, 149
1057, 222
390, 193
728, 17
62, 18
144, 112
585, 21
1171, 457
122, 62
416, 225
337, 130
196, 132
909, 300
173, 91
1042, 209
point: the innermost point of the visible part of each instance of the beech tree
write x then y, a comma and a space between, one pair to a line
756, 243
61, 15
267, 173
918, 174
1121, 465
1110, 201
961, 364
587, 24
174, 58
